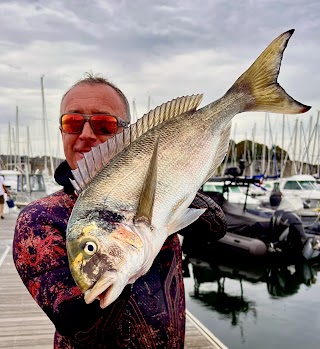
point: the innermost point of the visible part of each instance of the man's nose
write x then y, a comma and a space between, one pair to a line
87, 132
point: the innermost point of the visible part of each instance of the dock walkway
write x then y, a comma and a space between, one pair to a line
24, 325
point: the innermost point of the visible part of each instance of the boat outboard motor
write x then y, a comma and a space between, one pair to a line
287, 227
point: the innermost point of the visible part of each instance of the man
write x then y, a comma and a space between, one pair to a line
148, 314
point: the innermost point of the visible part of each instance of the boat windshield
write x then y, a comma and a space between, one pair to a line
210, 187
307, 185
299, 185
37, 183
11, 181
219, 188
18, 182
234, 189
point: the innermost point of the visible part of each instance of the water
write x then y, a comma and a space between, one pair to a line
256, 306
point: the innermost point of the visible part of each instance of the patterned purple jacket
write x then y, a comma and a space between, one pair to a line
148, 314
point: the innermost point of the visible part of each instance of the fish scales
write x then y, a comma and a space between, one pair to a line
126, 211
184, 148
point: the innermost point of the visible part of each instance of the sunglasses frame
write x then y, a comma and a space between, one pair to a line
88, 117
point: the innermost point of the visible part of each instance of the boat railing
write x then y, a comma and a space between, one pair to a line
236, 182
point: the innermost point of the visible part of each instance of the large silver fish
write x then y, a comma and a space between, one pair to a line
135, 189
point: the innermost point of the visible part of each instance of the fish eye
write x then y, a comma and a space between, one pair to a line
90, 248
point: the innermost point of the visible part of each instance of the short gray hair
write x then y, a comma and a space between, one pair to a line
91, 78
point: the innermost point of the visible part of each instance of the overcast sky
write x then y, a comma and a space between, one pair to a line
150, 49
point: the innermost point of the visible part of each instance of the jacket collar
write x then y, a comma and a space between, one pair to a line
63, 175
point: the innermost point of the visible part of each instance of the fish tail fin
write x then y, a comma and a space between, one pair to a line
260, 82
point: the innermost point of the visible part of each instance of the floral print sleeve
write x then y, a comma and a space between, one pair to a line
40, 258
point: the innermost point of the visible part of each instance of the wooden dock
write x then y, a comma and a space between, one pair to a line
24, 325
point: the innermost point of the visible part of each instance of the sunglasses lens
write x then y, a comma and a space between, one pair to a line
72, 123
104, 124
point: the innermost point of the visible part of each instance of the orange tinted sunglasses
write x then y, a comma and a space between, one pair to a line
101, 124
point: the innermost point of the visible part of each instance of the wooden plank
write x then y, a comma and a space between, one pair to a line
22, 323
198, 336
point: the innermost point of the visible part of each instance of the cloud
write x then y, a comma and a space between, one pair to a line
152, 50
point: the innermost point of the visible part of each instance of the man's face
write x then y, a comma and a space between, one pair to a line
88, 99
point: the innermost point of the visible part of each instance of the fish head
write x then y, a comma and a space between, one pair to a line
104, 259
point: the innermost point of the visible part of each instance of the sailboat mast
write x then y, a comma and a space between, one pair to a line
46, 130
18, 158
293, 167
134, 112
44, 125
263, 162
149, 104
316, 137
253, 150
9, 149
282, 141
28, 144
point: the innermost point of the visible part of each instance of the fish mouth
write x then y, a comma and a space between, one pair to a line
90, 296
101, 290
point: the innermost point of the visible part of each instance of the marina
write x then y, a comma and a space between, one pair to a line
24, 325
213, 133
233, 300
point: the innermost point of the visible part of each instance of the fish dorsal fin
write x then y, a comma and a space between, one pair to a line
99, 156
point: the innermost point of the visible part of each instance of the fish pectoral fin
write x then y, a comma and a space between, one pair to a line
146, 201
188, 217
